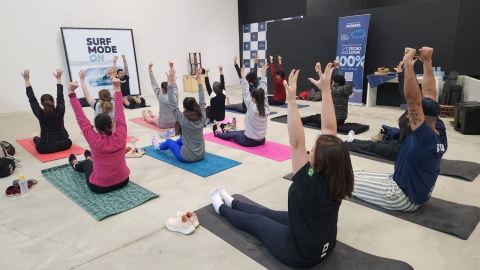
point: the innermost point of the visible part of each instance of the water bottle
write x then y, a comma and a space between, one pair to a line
234, 123
23, 185
133, 143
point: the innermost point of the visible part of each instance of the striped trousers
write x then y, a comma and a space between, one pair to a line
380, 189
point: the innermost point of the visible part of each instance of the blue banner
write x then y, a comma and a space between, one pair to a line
351, 47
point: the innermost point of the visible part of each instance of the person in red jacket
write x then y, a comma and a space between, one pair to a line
279, 95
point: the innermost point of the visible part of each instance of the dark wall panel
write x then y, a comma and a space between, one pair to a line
265, 10
324, 7
466, 58
306, 41
384, 3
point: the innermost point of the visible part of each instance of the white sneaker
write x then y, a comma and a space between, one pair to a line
176, 225
191, 216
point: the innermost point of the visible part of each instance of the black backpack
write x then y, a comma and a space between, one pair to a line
8, 148
7, 166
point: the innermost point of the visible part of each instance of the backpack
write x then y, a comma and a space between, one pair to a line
7, 166
303, 95
7, 148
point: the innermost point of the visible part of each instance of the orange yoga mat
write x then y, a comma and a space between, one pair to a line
30, 147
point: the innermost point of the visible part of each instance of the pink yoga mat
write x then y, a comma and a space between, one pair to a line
30, 147
271, 150
144, 123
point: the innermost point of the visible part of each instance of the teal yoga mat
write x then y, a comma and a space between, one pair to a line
99, 206
210, 165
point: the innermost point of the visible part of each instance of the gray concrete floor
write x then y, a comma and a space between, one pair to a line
46, 230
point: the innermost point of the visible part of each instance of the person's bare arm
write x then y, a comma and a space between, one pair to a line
279, 62
125, 65
115, 66
87, 95
296, 132
329, 121
412, 92
429, 87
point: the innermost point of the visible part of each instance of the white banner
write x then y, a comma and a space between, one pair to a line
93, 50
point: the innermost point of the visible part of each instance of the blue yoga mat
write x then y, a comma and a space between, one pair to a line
210, 165
286, 106
232, 111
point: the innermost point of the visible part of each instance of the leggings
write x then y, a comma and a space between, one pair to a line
272, 101
86, 167
317, 120
53, 147
175, 147
236, 107
240, 138
383, 149
153, 120
268, 226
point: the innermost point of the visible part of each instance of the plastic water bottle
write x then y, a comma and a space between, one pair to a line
23, 185
133, 143
234, 123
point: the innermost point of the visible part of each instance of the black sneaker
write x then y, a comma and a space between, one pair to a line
215, 130
72, 159
222, 126
87, 154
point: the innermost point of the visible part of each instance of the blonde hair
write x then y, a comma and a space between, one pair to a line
106, 103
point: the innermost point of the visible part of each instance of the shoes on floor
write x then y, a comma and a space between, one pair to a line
171, 132
178, 225
191, 216
378, 136
165, 134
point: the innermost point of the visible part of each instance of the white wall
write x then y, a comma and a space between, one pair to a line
471, 88
163, 30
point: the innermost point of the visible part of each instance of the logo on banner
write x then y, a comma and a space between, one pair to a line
354, 24
97, 47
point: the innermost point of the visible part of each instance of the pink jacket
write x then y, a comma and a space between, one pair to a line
108, 152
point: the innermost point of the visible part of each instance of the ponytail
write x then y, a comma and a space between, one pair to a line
106, 103
259, 96
192, 109
48, 104
103, 122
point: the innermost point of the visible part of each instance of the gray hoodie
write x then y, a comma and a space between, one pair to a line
255, 125
193, 148
165, 115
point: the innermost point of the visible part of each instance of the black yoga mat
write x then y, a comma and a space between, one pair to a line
463, 169
449, 217
343, 257
342, 129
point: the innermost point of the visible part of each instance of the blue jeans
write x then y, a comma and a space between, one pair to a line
175, 147
268, 226
240, 138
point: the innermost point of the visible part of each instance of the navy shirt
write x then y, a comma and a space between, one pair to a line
418, 163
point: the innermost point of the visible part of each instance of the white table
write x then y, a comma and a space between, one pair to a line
372, 92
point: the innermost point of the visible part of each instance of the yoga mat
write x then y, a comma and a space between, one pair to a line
271, 150
343, 257
30, 147
232, 111
466, 170
210, 165
137, 106
228, 120
144, 123
342, 129
458, 219
286, 106
128, 139
99, 206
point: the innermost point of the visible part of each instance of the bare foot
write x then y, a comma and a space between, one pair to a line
126, 102
144, 113
151, 114
137, 100
408, 58
426, 53
228, 101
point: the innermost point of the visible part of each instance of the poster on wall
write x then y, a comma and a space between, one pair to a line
351, 46
93, 50
255, 43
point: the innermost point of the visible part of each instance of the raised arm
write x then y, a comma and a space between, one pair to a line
222, 79
153, 81
125, 65
412, 92
236, 67
120, 122
429, 87
60, 98
82, 120
115, 66
263, 81
329, 122
36, 109
201, 94
272, 68
207, 82
280, 66
296, 132
89, 98
171, 97
247, 98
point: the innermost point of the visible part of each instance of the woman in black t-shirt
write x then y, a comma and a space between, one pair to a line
53, 135
216, 110
306, 234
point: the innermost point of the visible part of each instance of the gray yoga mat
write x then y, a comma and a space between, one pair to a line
342, 129
466, 170
449, 217
343, 257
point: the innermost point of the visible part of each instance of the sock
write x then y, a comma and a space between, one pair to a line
351, 135
227, 198
216, 199
339, 136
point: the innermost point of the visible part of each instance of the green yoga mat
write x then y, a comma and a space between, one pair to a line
99, 206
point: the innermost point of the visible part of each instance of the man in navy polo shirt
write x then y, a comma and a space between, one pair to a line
418, 164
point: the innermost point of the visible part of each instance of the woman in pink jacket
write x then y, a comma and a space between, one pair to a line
105, 167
